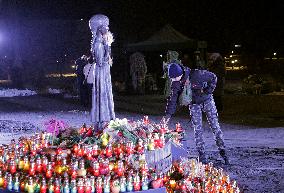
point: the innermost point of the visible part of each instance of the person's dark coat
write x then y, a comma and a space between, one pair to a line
176, 90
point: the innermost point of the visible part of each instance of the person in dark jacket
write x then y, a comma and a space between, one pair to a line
178, 75
203, 84
83, 92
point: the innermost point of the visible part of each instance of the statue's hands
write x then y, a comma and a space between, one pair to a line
110, 61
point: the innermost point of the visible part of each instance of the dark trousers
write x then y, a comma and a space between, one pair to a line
83, 95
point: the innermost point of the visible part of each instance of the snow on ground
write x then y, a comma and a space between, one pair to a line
16, 92
256, 154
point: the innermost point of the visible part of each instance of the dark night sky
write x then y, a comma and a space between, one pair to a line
258, 25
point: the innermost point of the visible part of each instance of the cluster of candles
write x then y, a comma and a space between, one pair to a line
87, 184
33, 165
198, 177
28, 167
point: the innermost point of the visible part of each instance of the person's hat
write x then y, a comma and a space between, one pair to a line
175, 70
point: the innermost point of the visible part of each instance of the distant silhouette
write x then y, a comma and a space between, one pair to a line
217, 66
138, 70
80, 63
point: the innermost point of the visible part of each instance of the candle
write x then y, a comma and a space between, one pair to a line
12, 166
156, 140
38, 165
115, 188
122, 184
44, 163
43, 186
173, 184
108, 150
22, 186
73, 186
129, 183
83, 129
96, 168
145, 182
73, 171
99, 187
56, 186
93, 184
30, 188
33, 150
32, 169
50, 188
136, 183
48, 173
151, 145
75, 149
80, 186
178, 127
21, 163
104, 167
88, 187
155, 182
144, 168
16, 183
95, 150
140, 146
182, 186
129, 148
80, 152
107, 184
10, 182
58, 169
146, 120
82, 171
162, 128
120, 168
26, 163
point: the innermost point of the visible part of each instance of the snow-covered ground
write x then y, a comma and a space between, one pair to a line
256, 154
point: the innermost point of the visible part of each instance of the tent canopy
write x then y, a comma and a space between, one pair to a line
165, 39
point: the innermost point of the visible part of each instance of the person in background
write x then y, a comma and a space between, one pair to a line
80, 64
89, 79
218, 67
138, 71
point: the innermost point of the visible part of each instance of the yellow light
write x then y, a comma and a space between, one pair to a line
274, 53
233, 62
236, 60
231, 56
73, 66
232, 52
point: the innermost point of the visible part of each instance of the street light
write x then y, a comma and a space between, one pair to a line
274, 53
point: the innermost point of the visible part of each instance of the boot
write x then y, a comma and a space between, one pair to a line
224, 156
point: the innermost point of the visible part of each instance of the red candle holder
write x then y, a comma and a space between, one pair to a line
95, 150
12, 167
96, 168
178, 128
146, 120
108, 151
38, 165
